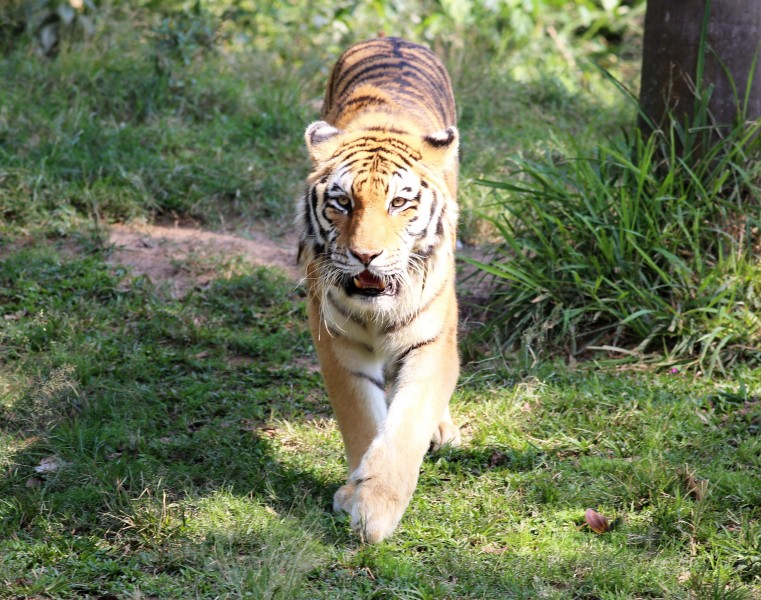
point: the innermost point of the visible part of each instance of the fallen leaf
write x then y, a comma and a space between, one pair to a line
596, 521
268, 431
493, 549
697, 487
49, 464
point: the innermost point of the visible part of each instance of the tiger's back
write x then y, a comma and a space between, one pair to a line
394, 76
378, 225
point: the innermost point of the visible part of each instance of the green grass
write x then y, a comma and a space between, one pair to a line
197, 459
102, 133
153, 116
633, 248
189, 444
648, 243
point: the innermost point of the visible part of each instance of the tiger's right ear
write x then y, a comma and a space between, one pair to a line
441, 148
321, 139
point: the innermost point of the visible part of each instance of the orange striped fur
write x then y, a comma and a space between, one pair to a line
377, 230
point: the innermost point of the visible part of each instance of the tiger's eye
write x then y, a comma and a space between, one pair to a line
398, 202
343, 202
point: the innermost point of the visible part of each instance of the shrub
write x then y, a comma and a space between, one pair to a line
648, 244
46, 22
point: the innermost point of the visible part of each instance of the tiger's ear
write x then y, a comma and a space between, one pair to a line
441, 148
321, 139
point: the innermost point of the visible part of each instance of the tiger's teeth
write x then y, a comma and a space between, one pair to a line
376, 283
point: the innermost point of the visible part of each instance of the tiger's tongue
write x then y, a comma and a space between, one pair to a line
367, 280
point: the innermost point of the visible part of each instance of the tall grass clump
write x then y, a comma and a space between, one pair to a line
650, 244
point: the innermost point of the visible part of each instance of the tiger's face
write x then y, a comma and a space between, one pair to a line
376, 211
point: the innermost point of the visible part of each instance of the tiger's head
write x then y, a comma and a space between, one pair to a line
379, 217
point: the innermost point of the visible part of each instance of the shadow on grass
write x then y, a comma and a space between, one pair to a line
147, 437
112, 392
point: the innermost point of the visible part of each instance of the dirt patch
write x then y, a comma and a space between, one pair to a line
185, 258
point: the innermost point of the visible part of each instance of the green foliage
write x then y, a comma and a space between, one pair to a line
492, 27
49, 23
642, 245
183, 36
646, 245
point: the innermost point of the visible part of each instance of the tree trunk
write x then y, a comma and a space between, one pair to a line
671, 56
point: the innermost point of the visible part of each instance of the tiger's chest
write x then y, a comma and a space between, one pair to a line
381, 339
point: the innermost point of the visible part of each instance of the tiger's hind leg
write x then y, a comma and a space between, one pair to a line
447, 433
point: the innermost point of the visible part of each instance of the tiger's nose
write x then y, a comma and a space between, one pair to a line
365, 257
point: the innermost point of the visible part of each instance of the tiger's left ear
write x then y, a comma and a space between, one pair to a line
441, 148
321, 139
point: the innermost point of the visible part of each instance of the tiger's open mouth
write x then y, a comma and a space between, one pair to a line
368, 284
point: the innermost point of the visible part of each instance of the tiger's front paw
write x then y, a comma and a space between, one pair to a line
374, 508
343, 497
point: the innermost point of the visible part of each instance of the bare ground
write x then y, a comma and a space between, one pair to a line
187, 258
184, 258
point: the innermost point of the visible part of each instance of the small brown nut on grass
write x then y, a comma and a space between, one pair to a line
596, 521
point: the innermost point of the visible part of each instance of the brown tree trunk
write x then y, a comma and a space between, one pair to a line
670, 61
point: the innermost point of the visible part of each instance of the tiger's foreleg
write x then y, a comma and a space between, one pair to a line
380, 488
355, 388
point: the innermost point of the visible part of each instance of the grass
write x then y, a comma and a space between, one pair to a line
161, 447
144, 120
195, 458
121, 136
625, 252
648, 243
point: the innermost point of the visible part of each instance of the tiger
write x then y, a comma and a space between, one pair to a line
377, 238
